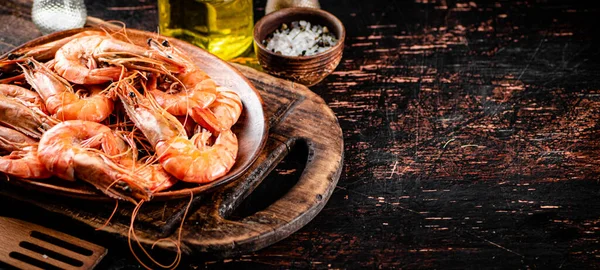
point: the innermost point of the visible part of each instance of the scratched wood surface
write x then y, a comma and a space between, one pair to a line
470, 134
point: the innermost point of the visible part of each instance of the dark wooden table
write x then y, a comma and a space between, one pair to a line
470, 135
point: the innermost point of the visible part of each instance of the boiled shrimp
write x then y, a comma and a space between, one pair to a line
190, 75
179, 92
43, 53
10, 140
47, 51
222, 114
177, 154
19, 116
31, 97
90, 103
21, 158
216, 116
89, 151
24, 163
177, 100
80, 60
155, 178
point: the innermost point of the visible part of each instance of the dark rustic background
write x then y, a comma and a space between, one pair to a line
470, 132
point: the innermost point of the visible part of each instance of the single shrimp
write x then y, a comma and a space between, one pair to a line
216, 116
179, 92
190, 75
43, 52
21, 158
90, 103
31, 97
89, 151
177, 154
177, 100
80, 60
47, 51
17, 115
222, 114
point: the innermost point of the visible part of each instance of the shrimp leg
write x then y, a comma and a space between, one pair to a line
220, 115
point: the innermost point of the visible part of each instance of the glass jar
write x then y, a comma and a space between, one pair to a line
57, 15
222, 27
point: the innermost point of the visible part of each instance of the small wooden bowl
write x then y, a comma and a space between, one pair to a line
307, 70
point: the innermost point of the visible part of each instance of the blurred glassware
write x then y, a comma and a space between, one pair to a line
274, 5
222, 27
56, 15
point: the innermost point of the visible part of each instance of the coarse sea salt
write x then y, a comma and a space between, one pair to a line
301, 39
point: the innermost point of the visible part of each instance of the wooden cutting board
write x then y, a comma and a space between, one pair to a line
296, 117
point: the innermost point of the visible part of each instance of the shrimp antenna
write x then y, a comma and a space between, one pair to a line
119, 29
110, 217
177, 243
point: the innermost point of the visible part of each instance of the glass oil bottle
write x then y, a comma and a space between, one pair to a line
222, 27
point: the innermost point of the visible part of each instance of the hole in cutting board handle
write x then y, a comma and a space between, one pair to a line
61, 243
284, 177
50, 253
32, 261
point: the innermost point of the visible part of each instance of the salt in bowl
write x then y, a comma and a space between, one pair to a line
307, 70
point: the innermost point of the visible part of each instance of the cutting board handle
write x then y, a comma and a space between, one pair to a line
309, 121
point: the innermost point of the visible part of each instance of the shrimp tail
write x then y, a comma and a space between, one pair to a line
222, 114
22, 160
24, 164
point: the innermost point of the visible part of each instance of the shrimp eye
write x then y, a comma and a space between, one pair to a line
124, 186
149, 41
30, 64
12, 56
131, 94
166, 43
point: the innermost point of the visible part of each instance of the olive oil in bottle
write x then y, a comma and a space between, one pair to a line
223, 27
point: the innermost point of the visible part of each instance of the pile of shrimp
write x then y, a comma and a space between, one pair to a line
131, 120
